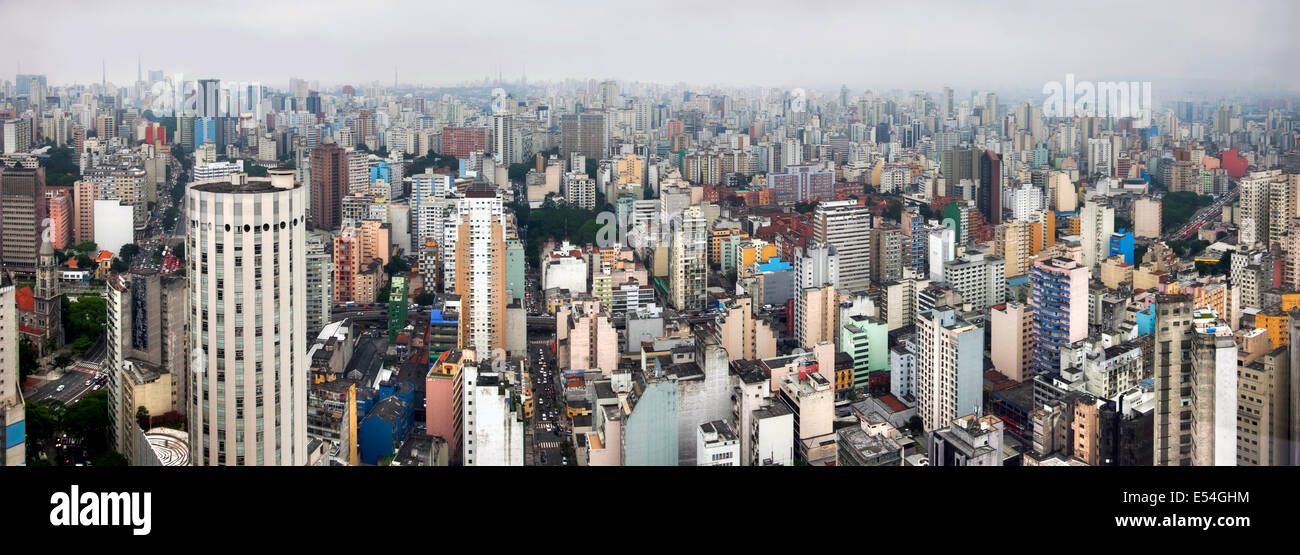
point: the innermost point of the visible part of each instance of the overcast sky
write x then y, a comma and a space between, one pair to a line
812, 44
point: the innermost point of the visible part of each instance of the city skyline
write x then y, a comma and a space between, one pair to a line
1019, 51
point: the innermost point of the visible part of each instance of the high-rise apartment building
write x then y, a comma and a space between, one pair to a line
1147, 217
949, 367
329, 184
846, 225
989, 200
1214, 391
13, 437
320, 281
359, 250
146, 353
1059, 298
504, 142
84, 195
480, 270
461, 141
1096, 224
248, 341
586, 134
981, 280
688, 260
22, 211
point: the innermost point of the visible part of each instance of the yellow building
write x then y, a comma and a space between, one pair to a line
1114, 272
1276, 326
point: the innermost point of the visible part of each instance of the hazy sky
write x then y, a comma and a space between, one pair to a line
812, 44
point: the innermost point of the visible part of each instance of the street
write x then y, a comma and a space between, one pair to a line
548, 421
71, 386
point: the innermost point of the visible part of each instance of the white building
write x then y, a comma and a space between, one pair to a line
942, 247
12, 413
716, 445
981, 279
248, 339
846, 225
902, 372
320, 281
113, 225
949, 367
219, 170
493, 426
772, 433
1025, 201
565, 268
1096, 224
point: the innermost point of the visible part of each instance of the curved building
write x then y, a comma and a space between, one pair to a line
248, 343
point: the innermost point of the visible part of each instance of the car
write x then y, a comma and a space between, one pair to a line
60, 388
88, 382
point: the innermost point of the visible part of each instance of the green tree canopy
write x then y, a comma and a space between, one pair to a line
87, 420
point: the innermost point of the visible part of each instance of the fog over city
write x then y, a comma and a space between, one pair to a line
1005, 45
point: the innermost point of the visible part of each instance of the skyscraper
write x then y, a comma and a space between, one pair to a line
846, 225
13, 437
503, 139
990, 192
1059, 298
248, 341
480, 270
586, 134
949, 367
22, 212
688, 260
329, 184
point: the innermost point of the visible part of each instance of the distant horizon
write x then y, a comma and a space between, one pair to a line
1014, 46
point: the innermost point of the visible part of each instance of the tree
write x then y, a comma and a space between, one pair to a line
397, 265
87, 316
28, 362
128, 252
59, 167
81, 345
87, 420
42, 423
426, 298
1178, 207
915, 423
86, 247
894, 209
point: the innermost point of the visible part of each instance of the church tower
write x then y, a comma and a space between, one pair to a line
46, 295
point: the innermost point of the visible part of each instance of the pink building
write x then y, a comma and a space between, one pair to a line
442, 407
1010, 330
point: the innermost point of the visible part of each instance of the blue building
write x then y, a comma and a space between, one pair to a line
205, 131
384, 428
381, 171
1121, 242
1146, 319
389, 417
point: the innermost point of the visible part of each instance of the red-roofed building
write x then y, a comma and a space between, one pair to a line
1234, 164
26, 300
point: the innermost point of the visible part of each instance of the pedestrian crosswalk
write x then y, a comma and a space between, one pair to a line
549, 445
